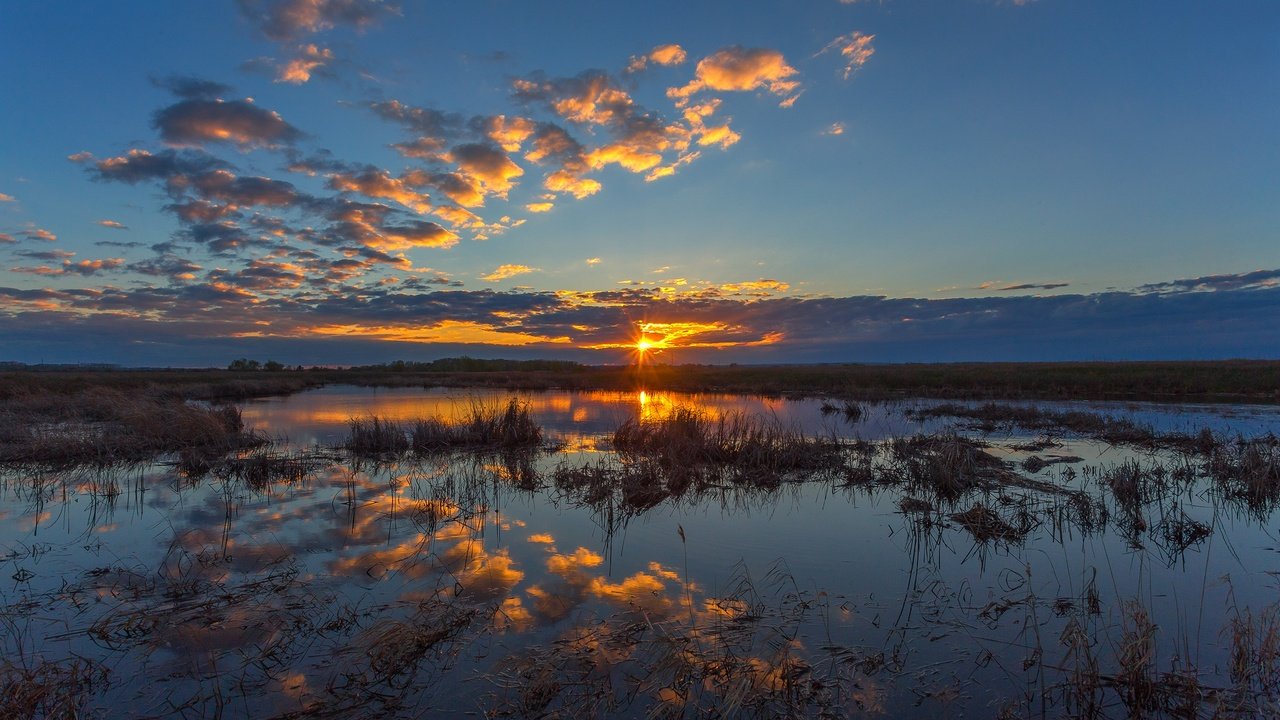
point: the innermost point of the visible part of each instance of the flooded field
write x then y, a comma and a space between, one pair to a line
655, 554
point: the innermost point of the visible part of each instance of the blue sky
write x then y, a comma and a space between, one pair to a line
349, 180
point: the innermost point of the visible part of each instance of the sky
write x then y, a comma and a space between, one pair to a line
359, 181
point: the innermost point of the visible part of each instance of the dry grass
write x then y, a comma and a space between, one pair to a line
1248, 470
56, 691
373, 436
985, 525
106, 427
504, 426
508, 426
757, 450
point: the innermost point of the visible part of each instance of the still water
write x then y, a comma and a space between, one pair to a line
470, 584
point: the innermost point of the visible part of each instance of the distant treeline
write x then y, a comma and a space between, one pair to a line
1234, 380
470, 364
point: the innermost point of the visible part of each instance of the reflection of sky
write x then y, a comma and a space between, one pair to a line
388, 539
320, 416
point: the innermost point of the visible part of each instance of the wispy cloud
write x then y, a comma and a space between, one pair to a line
1256, 280
855, 50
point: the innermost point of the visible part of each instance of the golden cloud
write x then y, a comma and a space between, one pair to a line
502, 272
741, 69
298, 70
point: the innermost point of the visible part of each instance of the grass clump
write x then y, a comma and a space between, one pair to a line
483, 427
754, 449
1248, 470
505, 426
373, 436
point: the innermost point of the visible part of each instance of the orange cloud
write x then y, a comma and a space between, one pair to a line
741, 69
445, 331
113, 224
380, 184
502, 272
565, 182
855, 48
488, 166
661, 55
510, 133
298, 70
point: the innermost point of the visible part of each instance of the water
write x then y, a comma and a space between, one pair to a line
441, 588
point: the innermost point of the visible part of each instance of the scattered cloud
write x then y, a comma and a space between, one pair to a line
593, 261
293, 19
836, 128
38, 234
661, 55
116, 225
6, 198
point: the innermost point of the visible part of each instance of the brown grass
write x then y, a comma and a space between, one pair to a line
106, 427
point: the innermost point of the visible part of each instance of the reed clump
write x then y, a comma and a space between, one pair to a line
505, 426
1248, 470
985, 525
754, 449
508, 426
946, 466
373, 436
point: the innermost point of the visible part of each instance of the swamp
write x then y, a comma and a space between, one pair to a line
358, 551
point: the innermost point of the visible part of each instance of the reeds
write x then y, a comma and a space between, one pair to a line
484, 426
755, 449
507, 426
48, 689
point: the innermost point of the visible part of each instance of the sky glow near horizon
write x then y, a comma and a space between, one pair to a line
349, 181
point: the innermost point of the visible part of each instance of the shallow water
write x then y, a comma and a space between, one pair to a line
440, 587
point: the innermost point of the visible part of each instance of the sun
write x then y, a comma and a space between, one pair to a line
643, 345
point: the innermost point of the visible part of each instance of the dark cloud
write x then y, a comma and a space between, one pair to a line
166, 265
168, 166
292, 19
46, 255
1026, 286
223, 186
1237, 281
429, 123
1227, 323
193, 88
240, 122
